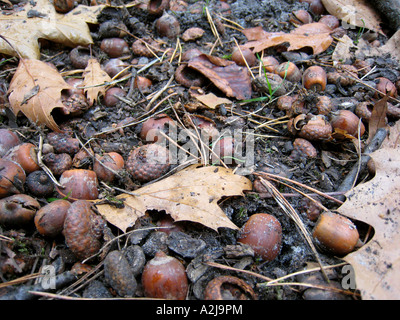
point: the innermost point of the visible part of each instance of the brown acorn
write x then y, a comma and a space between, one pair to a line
8, 140
335, 233
148, 162
345, 123
114, 47
49, 220
12, 178
83, 229
79, 184
165, 277
263, 233
24, 154
18, 210
108, 165
315, 78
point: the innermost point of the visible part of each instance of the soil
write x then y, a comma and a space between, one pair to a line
272, 154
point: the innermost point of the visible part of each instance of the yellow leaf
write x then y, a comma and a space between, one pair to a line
191, 194
35, 90
94, 79
39, 20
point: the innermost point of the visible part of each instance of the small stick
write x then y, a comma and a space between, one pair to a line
159, 93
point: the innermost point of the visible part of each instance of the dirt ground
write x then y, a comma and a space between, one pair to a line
272, 151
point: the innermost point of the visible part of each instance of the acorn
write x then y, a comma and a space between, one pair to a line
79, 184
114, 47
145, 47
310, 127
148, 162
25, 154
315, 78
385, 87
18, 210
289, 71
345, 123
151, 128
165, 277
302, 148
157, 7
300, 17
64, 6
12, 178
49, 219
63, 143
324, 105
263, 233
8, 140
240, 56
80, 57
110, 99
57, 163
108, 165
83, 229
228, 288
39, 184
118, 274
335, 233
315, 6
115, 66
330, 20
168, 26
270, 63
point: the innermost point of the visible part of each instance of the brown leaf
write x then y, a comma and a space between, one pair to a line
226, 75
212, 101
38, 19
376, 202
191, 194
93, 78
312, 35
35, 90
378, 117
357, 13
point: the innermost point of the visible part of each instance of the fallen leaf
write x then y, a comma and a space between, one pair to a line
93, 79
189, 195
226, 75
376, 202
35, 90
342, 50
39, 20
357, 13
212, 101
378, 117
312, 35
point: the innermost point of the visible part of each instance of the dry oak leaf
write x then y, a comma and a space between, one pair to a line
189, 195
35, 90
354, 13
226, 75
314, 35
94, 81
377, 203
39, 20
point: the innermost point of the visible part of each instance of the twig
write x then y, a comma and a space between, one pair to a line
43, 166
159, 93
